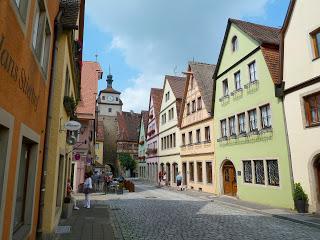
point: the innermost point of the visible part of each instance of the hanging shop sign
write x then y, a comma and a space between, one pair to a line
72, 125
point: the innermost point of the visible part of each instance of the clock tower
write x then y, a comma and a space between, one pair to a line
108, 104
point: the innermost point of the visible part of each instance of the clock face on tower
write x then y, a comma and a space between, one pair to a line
110, 98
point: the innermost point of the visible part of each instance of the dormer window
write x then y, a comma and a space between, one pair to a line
234, 43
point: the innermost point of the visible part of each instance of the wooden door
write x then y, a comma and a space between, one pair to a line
229, 180
318, 175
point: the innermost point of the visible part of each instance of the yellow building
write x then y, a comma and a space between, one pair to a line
99, 142
64, 94
196, 129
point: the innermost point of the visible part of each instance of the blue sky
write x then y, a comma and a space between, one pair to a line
143, 40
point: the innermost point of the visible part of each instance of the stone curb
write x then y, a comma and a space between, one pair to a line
307, 223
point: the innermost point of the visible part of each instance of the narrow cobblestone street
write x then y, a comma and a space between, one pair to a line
154, 213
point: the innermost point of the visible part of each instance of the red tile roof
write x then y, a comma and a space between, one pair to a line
156, 95
272, 58
145, 119
177, 85
128, 126
91, 72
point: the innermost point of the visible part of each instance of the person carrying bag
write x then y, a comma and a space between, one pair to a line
87, 187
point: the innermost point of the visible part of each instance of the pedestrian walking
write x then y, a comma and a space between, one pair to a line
160, 177
164, 178
179, 181
71, 196
87, 187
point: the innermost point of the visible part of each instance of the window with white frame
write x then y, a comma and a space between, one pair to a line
232, 126
252, 120
265, 116
225, 88
41, 35
194, 106
174, 140
167, 96
223, 124
237, 80
22, 6
242, 123
252, 72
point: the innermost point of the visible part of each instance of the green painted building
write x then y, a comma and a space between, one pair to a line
252, 154
142, 165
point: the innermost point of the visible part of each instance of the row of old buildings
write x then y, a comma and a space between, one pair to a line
249, 125
49, 130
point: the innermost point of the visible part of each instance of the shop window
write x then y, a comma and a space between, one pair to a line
191, 171
247, 171
209, 172
259, 172
312, 109
273, 172
199, 171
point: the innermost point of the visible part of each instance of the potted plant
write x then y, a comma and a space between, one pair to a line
300, 199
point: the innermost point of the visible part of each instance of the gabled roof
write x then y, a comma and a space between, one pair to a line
202, 73
262, 34
156, 95
267, 37
100, 131
109, 90
145, 120
272, 58
177, 85
128, 125
70, 13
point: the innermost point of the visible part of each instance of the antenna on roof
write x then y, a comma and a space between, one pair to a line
109, 70
96, 56
193, 59
175, 70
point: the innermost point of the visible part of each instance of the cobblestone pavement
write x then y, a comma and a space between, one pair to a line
153, 213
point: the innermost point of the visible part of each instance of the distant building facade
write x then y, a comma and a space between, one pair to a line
142, 165
152, 134
127, 138
196, 129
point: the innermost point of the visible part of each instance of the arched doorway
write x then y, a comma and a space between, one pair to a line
168, 173
229, 179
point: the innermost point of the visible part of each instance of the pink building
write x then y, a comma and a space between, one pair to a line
152, 157
84, 149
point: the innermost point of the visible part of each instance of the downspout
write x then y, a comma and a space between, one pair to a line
48, 122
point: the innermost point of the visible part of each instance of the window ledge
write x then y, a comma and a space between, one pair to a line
250, 84
236, 91
223, 98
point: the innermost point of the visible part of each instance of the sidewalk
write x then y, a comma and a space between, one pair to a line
309, 219
87, 224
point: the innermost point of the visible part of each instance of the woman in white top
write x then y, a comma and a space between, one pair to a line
87, 186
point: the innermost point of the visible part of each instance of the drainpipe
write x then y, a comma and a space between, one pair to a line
48, 122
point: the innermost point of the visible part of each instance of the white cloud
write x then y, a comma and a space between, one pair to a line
154, 36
